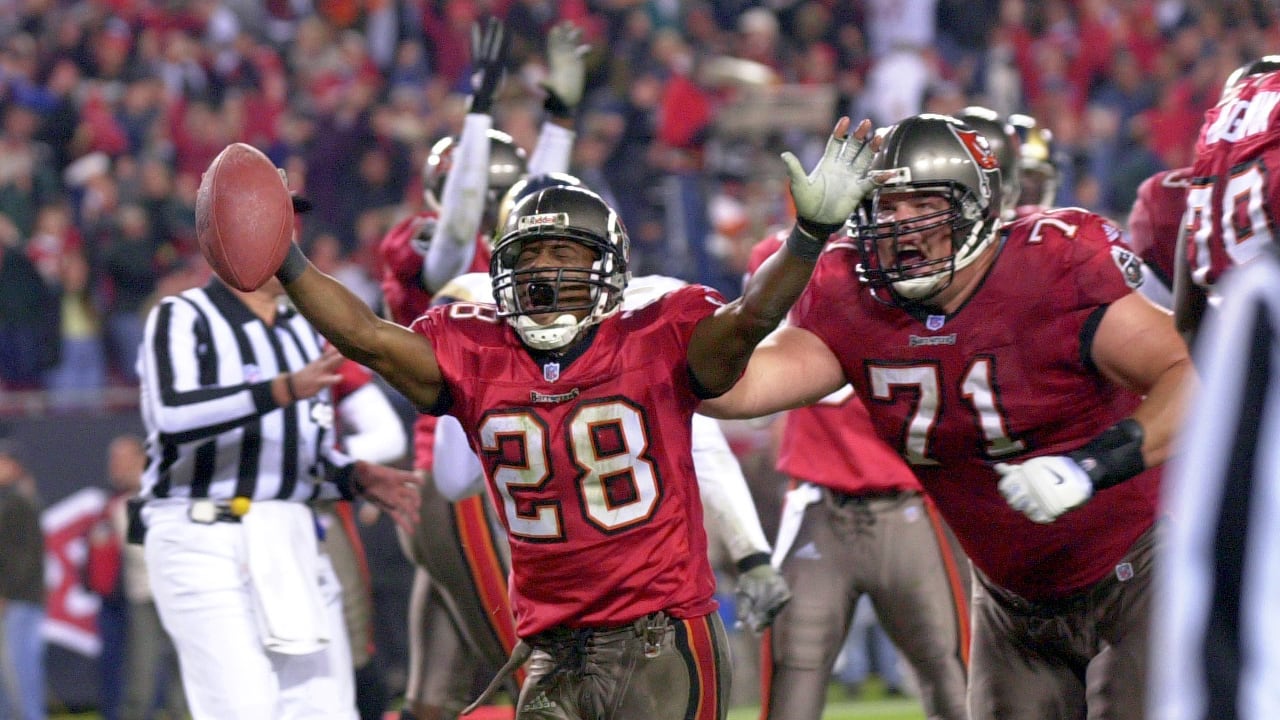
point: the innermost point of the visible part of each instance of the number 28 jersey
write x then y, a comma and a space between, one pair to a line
589, 464
1234, 193
1003, 379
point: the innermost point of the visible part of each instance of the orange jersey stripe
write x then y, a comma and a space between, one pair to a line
700, 645
487, 573
952, 568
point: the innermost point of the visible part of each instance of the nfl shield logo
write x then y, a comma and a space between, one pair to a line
1124, 572
551, 372
934, 322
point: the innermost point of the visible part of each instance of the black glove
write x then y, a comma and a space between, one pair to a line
488, 56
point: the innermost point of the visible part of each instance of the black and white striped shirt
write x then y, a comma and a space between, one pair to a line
213, 428
1215, 629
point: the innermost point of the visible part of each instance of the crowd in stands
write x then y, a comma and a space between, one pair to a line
111, 109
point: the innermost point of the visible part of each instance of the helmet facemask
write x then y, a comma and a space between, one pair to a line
935, 156
548, 305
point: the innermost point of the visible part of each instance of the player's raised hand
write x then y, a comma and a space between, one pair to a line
827, 195
761, 594
566, 72
488, 61
1045, 487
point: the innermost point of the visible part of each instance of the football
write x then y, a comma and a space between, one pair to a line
244, 217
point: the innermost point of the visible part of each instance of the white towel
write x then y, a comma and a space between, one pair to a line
284, 572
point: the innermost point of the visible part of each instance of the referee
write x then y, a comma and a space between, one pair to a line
1215, 653
236, 404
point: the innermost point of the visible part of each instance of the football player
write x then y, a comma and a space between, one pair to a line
854, 523
456, 611
581, 415
1037, 165
1154, 223
1232, 201
731, 516
1031, 389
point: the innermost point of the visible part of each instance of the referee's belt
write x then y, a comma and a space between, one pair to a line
207, 512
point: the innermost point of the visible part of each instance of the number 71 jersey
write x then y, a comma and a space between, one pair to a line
1002, 379
589, 463
1234, 195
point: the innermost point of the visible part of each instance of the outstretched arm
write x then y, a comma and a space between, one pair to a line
790, 369
722, 343
404, 358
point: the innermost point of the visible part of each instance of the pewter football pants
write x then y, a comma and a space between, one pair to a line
680, 672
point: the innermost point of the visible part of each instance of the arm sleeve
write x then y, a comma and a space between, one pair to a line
172, 394
375, 432
553, 151
725, 497
456, 469
461, 205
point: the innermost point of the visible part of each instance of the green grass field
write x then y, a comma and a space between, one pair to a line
887, 709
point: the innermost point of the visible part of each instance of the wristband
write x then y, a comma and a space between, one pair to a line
751, 562
556, 107
288, 383
803, 244
1113, 456
295, 263
345, 478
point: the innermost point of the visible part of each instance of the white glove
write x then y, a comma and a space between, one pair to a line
1045, 487
761, 595
828, 195
566, 73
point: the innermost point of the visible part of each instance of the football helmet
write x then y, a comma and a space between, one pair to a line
1004, 144
529, 185
507, 163
937, 155
1037, 160
1264, 64
569, 213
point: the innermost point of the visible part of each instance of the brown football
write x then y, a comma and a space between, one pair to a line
244, 217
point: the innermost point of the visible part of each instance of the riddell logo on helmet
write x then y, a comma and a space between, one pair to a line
543, 220
978, 148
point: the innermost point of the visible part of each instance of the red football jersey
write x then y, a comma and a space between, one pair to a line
833, 443
406, 299
1233, 200
1000, 380
589, 465
1156, 216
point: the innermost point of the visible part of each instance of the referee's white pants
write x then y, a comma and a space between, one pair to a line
200, 579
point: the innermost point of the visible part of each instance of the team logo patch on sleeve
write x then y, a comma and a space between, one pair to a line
1130, 266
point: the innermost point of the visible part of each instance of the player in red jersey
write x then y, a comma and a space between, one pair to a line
854, 523
457, 615
581, 416
1233, 200
1034, 394
1154, 222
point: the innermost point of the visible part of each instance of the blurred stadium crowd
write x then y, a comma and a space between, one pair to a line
112, 108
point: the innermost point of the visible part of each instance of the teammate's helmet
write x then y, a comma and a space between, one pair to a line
570, 213
1264, 64
1037, 161
931, 154
1004, 143
507, 162
529, 185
